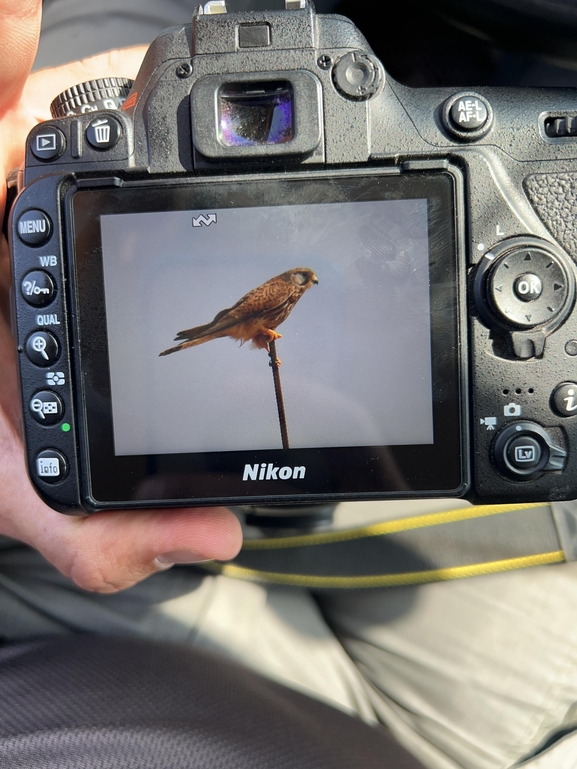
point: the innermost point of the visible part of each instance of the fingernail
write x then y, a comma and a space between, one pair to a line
179, 556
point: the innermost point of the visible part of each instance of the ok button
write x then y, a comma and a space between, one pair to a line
528, 287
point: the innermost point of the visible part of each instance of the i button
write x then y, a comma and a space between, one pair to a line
564, 399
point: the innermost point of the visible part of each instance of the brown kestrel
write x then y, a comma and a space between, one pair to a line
254, 317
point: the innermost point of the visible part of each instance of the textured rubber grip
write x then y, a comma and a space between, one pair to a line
554, 198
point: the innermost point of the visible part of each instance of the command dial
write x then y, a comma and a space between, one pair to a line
103, 94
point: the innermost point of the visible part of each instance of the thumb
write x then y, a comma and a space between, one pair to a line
19, 32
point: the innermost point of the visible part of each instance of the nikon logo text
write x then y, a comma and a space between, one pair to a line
270, 472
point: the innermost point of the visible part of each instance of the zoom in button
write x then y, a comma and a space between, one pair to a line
42, 348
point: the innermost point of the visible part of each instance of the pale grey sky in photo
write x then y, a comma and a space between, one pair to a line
355, 351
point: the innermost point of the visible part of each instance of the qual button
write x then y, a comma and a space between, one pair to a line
42, 348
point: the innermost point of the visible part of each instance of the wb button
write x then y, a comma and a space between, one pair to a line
524, 452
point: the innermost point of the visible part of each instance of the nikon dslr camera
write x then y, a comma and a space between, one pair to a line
266, 273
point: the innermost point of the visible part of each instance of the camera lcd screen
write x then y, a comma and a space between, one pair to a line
352, 279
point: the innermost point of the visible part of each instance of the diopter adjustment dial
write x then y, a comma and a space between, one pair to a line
103, 94
524, 287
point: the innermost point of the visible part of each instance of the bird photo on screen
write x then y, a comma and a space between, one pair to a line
255, 316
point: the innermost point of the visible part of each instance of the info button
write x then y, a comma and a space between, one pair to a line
51, 466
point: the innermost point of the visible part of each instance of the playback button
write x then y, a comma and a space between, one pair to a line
51, 466
47, 143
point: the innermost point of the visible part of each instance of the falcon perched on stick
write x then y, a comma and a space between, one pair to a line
254, 317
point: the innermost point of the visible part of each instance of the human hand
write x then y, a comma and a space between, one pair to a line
108, 551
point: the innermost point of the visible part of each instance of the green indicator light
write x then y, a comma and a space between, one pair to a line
65, 427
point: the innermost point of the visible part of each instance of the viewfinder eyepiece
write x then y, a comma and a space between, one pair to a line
258, 113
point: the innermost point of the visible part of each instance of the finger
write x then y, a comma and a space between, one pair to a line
43, 86
110, 551
107, 552
19, 32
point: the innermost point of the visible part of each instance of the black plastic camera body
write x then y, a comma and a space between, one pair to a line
413, 248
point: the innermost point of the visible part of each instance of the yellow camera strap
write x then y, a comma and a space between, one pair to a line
466, 542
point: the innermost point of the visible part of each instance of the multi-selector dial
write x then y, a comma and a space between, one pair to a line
525, 285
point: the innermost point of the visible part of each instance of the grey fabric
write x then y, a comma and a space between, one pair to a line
98, 703
277, 631
471, 674
464, 541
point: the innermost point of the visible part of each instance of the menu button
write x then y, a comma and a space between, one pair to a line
34, 228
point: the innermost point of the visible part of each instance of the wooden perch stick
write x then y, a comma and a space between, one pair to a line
274, 362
